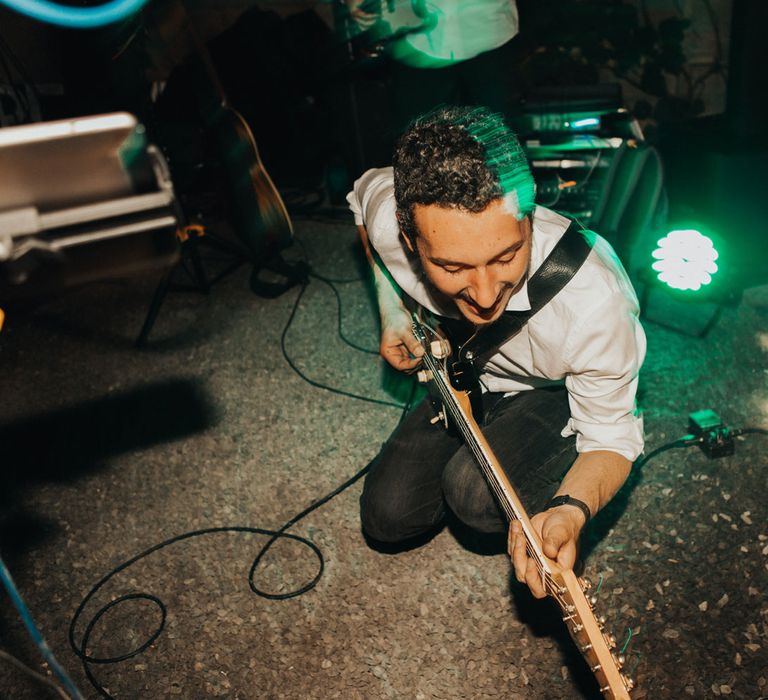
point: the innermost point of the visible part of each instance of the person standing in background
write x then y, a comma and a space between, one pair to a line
446, 52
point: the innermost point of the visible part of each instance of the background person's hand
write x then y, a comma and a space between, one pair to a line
361, 12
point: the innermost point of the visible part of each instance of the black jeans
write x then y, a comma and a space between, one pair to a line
488, 79
422, 468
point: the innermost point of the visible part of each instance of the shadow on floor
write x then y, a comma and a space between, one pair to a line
67, 443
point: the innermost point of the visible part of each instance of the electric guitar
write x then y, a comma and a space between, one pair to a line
395, 20
596, 646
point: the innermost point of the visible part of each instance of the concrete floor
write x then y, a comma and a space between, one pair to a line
107, 451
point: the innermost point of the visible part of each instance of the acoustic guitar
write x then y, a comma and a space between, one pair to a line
570, 592
259, 216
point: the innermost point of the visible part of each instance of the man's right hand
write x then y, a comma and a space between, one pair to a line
398, 345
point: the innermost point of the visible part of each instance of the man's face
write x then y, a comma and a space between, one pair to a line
477, 260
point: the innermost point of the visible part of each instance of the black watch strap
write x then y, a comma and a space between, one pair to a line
570, 501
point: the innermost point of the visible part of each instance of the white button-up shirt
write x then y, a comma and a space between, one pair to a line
461, 30
588, 336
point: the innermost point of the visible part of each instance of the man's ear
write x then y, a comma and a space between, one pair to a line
409, 243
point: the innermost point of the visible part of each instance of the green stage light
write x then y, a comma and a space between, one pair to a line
685, 260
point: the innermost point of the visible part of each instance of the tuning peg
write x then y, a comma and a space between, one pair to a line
629, 682
440, 348
439, 417
592, 600
586, 584
424, 376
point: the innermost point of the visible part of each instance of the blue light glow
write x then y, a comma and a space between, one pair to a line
75, 17
581, 123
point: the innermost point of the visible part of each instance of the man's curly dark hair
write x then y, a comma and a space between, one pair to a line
462, 157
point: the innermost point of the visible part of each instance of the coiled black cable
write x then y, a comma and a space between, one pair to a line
80, 647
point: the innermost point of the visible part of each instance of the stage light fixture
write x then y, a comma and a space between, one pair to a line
688, 279
685, 259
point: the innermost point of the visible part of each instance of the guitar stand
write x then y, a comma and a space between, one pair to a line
191, 262
290, 275
191, 237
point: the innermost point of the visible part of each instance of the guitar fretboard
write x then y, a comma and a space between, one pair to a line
561, 584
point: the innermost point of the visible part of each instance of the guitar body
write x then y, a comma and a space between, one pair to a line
227, 156
258, 213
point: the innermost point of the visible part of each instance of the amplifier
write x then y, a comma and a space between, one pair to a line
571, 153
572, 177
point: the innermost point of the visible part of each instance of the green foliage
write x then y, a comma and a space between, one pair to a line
571, 42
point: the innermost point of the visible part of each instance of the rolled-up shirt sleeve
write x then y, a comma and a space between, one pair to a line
604, 355
371, 192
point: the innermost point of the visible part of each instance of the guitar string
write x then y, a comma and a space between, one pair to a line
548, 583
439, 373
550, 586
469, 438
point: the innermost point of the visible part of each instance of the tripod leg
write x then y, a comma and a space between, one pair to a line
201, 279
154, 308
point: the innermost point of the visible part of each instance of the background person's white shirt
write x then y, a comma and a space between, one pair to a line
588, 336
462, 30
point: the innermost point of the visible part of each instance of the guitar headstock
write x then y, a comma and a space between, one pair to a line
597, 646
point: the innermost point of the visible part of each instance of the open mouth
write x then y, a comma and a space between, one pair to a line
487, 314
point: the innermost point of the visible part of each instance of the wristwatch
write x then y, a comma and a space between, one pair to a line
570, 501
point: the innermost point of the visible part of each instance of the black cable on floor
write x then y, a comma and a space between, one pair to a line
332, 284
80, 648
686, 441
750, 431
333, 390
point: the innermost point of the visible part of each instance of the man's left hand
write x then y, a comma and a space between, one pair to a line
559, 530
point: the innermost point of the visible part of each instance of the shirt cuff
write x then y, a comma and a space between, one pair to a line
625, 438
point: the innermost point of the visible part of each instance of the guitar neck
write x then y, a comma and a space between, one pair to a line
456, 404
562, 584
